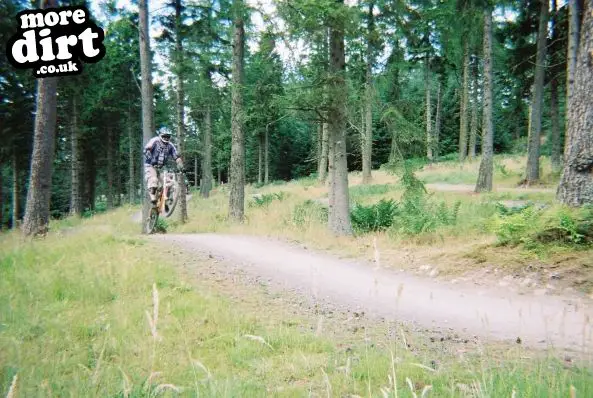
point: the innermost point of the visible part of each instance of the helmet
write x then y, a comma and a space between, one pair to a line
164, 134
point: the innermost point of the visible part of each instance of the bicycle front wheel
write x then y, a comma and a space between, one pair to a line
172, 200
152, 220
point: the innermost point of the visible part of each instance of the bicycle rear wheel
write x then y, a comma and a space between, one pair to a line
153, 217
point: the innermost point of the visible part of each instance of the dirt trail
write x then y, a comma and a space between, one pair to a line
494, 313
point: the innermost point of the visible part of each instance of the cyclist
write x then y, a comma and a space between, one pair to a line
156, 154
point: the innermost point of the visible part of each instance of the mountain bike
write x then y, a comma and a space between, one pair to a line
167, 194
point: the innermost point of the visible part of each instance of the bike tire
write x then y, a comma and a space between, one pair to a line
170, 208
153, 217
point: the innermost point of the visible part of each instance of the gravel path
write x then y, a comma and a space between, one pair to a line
535, 321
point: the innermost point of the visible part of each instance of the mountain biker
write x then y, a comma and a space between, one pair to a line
156, 154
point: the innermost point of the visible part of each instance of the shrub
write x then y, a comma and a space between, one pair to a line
419, 215
533, 227
450, 157
513, 227
573, 227
263, 200
416, 213
375, 217
161, 226
308, 212
501, 168
502, 210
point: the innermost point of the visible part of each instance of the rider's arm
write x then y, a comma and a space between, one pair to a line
175, 155
149, 147
150, 144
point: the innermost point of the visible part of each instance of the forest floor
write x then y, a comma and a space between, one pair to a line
278, 306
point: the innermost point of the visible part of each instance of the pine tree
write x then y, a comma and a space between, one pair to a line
237, 170
576, 183
484, 183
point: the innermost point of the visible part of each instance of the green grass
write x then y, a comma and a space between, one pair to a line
73, 322
454, 177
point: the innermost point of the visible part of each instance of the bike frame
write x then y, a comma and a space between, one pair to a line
166, 181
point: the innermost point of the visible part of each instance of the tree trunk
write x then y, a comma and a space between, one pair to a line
75, 208
367, 141
16, 192
267, 156
110, 160
464, 104
339, 210
206, 184
437, 124
260, 156
131, 175
322, 167
90, 179
319, 142
429, 139
393, 149
473, 127
147, 93
237, 169
93, 188
179, 59
574, 29
576, 183
39, 193
556, 156
330, 159
1, 200
484, 183
116, 168
533, 144
196, 172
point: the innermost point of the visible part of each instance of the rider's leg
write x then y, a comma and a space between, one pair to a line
151, 176
160, 178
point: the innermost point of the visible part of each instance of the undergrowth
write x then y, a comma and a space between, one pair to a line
416, 213
534, 227
264, 200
